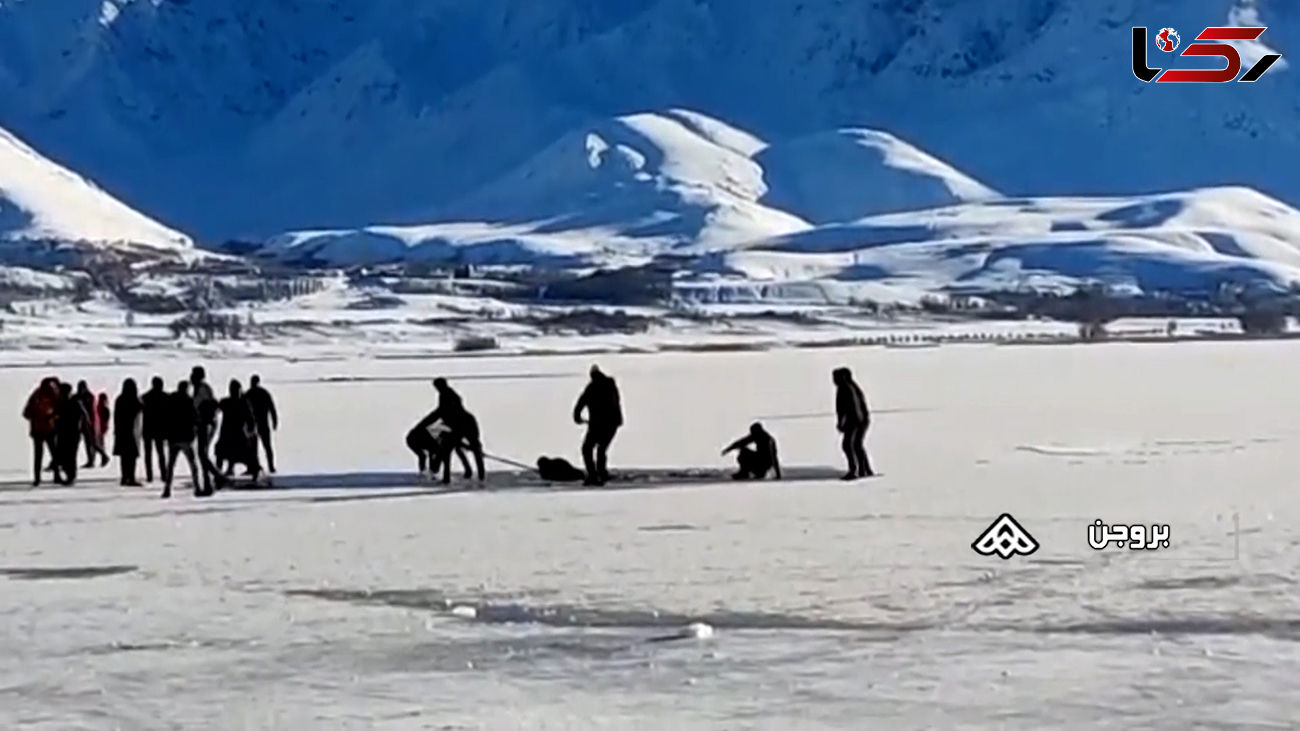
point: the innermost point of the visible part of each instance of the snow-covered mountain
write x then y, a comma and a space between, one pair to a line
43, 202
246, 118
626, 189
740, 213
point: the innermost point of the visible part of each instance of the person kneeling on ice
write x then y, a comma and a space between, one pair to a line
431, 442
757, 454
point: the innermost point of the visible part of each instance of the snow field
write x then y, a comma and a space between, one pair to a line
830, 602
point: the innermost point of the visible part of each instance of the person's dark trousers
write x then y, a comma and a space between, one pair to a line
855, 451
444, 456
205, 457
39, 445
595, 450
187, 449
752, 466
151, 445
264, 436
68, 461
128, 469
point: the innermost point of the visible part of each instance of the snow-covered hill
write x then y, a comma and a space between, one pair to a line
43, 202
1185, 243
623, 190
245, 118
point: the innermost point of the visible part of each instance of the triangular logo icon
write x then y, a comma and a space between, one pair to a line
1005, 538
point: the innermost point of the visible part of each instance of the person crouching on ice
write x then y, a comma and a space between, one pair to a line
757, 454
430, 443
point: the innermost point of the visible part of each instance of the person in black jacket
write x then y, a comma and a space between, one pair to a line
757, 454
265, 416
604, 418
182, 430
71, 425
153, 428
852, 420
205, 405
126, 417
237, 439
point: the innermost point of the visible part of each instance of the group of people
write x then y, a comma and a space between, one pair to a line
158, 423
61, 420
214, 435
450, 428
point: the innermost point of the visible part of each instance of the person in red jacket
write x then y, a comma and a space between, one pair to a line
103, 418
41, 412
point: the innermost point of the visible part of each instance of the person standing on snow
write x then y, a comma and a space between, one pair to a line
852, 420
72, 423
90, 433
757, 454
153, 429
265, 416
237, 442
205, 409
604, 408
41, 413
126, 431
103, 421
182, 429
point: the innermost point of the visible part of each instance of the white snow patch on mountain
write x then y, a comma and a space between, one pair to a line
42, 201
847, 174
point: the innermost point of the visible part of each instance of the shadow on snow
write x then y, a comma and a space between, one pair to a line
631, 479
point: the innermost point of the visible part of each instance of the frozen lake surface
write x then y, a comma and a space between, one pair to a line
355, 598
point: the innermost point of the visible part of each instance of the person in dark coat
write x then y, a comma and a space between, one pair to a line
41, 413
604, 409
93, 445
237, 439
265, 416
463, 429
558, 469
182, 430
756, 455
153, 428
852, 420
127, 411
72, 423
